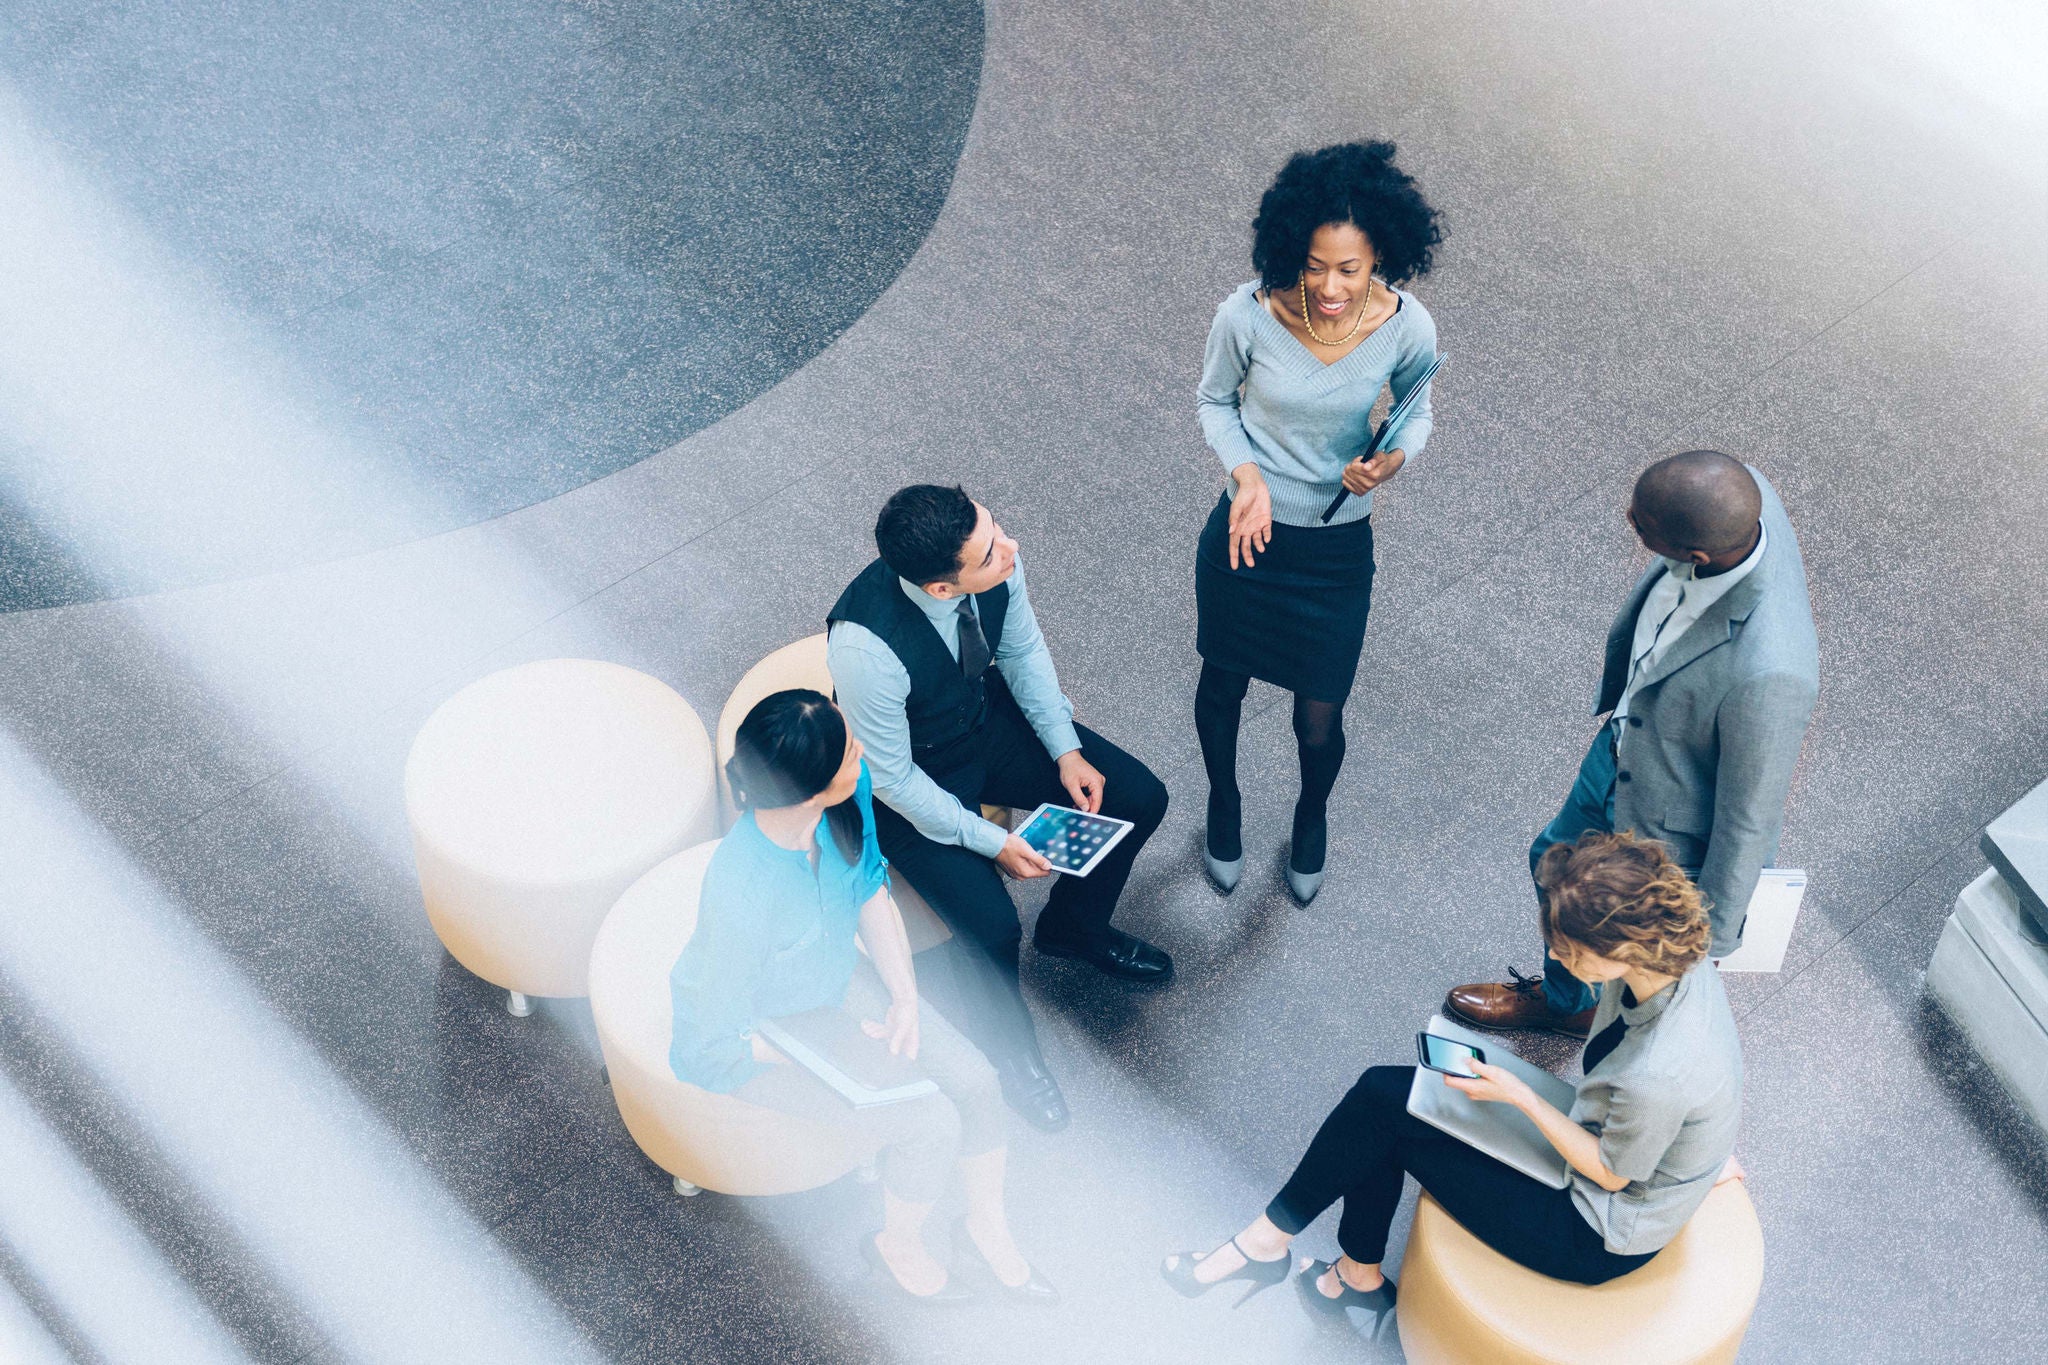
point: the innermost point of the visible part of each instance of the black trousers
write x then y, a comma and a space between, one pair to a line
1370, 1139
967, 892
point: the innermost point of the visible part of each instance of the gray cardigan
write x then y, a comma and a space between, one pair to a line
1267, 399
1704, 761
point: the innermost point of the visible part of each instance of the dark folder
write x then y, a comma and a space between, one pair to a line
1393, 420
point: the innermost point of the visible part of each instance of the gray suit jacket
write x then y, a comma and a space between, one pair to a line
1705, 760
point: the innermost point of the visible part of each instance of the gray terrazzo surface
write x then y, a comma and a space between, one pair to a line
1667, 229
481, 251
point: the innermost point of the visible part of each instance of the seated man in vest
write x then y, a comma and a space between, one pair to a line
945, 679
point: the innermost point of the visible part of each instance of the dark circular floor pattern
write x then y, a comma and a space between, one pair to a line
448, 260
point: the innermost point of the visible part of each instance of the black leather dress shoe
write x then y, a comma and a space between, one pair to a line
1028, 1088
1111, 952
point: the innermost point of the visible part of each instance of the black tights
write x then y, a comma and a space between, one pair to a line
1318, 736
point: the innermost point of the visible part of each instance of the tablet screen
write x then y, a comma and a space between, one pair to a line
1072, 841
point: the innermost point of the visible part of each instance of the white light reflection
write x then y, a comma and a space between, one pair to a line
335, 1208
167, 439
146, 423
101, 1274
146, 390
23, 1339
144, 407
1993, 50
1978, 71
143, 403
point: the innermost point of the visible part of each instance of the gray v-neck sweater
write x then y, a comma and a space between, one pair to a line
1267, 398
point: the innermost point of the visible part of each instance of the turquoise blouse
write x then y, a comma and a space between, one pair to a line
774, 936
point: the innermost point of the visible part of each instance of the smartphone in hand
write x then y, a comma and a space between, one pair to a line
1447, 1055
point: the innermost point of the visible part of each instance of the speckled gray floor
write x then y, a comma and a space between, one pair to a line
1809, 238
486, 249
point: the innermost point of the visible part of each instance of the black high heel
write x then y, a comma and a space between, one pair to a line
1263, 1274
885, 1279
1379, 1301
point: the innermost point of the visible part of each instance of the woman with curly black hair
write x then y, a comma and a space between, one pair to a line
1295, 362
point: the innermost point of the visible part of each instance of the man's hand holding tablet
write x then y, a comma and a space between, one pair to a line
1025, 860
1071, 841
1021, 860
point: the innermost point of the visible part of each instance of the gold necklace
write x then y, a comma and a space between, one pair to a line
1363, 305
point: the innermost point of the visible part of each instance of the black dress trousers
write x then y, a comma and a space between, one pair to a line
1010, 767
1370, 1141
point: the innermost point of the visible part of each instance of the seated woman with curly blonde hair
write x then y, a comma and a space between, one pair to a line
1650, 1132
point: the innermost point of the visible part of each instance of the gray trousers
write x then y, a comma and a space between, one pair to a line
920, 1138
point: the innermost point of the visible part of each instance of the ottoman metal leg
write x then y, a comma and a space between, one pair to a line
517, 1005
686, 1189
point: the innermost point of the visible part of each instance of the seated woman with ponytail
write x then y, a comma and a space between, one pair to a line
789, 890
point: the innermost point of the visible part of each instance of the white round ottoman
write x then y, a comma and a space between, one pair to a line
536, 796
704, 1140
799, 665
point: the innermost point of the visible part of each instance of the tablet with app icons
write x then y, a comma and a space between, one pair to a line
1073, 841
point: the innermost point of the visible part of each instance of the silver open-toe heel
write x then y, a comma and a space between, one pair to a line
884, 1279
1036, 1290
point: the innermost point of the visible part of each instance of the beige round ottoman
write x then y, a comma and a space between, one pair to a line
1461, 1301
704, 1140
799, 665
536, 796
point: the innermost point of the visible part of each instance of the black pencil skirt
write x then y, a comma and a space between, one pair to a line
1296, 618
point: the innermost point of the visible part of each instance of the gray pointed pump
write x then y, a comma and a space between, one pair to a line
1223, 875
1304, 885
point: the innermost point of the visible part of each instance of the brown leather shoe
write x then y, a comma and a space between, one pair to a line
1519, 1003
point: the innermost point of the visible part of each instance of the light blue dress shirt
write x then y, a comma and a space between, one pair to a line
874, 688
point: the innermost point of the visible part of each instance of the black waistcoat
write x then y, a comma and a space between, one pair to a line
945, 708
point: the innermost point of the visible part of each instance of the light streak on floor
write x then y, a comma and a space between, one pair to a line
99, 1271
322, 1191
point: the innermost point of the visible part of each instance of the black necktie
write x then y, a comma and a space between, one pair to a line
1609, 1039
974, 654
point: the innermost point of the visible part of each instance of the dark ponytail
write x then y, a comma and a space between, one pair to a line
789, 748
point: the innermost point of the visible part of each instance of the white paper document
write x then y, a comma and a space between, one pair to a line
1773, 910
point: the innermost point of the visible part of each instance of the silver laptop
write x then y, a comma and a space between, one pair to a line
1502, 1132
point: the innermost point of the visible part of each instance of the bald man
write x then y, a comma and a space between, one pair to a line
1712, 670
